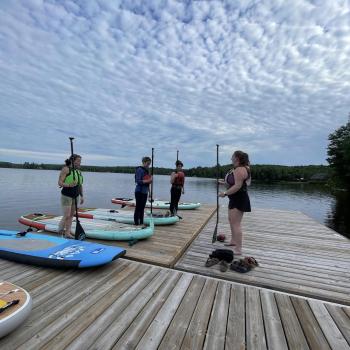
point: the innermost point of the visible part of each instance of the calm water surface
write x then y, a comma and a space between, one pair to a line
26, 191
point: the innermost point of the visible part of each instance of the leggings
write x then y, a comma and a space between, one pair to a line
141, 199
175, 198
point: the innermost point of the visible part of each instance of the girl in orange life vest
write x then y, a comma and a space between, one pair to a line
237, 181
177, 180
72, 187
142, 180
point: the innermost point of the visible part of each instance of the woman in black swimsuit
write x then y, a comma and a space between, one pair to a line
237, 180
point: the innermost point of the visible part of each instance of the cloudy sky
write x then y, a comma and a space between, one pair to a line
269, 77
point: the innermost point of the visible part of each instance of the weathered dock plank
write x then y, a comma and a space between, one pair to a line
296, 254
130, 305
168, 243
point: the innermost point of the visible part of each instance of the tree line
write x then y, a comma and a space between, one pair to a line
264, 173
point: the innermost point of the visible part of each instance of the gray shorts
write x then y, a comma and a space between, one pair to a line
68, 201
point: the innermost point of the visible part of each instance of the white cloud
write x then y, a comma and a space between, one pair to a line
125, 76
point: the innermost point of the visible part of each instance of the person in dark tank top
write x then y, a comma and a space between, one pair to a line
237, 181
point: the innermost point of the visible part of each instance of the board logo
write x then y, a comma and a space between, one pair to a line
97, 250
67, 252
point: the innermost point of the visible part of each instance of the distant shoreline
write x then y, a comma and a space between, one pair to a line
260, 172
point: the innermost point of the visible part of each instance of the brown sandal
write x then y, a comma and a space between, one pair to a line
211, 262
223, 266
250, 261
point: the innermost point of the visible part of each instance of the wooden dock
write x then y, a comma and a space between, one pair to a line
131, 305
168, 243
297, 255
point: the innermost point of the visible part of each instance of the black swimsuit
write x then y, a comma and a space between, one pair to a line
240, 200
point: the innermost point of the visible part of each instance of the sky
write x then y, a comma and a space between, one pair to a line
271, 78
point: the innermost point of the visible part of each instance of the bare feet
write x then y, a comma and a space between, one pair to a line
237, 251
230, 244
69, 236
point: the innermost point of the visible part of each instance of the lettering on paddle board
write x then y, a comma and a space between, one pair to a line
97, 250
67, 252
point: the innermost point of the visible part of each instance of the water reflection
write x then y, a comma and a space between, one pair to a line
338, 217
24, 191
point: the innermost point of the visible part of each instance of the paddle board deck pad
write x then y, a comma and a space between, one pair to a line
126, 216
15, 307
50, 251
99, 229
156, 204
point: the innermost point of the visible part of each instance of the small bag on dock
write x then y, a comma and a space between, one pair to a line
222, 254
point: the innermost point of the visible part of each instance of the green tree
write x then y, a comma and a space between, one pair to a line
339, 155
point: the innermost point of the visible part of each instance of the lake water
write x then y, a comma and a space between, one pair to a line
25, 191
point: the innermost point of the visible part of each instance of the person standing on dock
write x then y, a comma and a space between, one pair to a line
71, 182
237, 181
142, 180
177, 180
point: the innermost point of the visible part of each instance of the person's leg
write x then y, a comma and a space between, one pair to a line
65, 224
172, 200
232, 241
69, 220
62, 224
177, 199
137, 209
236, 229
142, 206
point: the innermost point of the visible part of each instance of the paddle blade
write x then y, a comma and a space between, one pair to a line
215, 234
79, 232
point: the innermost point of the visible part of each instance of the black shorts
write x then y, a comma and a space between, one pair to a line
240, 200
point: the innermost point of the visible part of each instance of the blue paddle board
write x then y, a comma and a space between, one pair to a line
51, 251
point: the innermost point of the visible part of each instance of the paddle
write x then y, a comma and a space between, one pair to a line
177, 155
217, 195
152, 182
9, 304
17, 234
79, 231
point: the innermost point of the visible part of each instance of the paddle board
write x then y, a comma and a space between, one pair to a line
45, 250
99, 229
126, 216
15, 307
156, 204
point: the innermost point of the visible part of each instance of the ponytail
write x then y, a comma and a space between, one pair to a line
71, 159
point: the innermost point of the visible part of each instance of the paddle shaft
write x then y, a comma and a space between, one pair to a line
78, 235
152, 181
217, 195
217, 184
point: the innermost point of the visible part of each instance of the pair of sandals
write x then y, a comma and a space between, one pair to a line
244, 265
